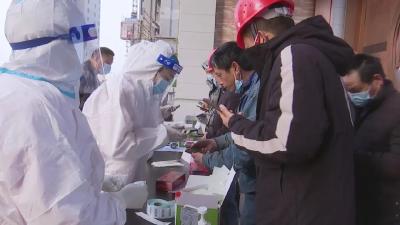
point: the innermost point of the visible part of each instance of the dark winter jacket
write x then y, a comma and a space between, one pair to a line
377, 159
231, 100
302, 138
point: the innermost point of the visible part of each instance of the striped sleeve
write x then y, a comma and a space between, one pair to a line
295, 122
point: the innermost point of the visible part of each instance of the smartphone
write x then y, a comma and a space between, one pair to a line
192, 150
175, 108
213, 106
200, 106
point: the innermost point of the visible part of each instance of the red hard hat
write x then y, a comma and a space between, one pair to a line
208, 68
247, 10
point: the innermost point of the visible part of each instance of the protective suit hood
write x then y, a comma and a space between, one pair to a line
141, 63
57, 61
124, 113
51, 170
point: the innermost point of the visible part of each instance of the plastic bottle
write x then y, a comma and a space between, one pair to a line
202, 211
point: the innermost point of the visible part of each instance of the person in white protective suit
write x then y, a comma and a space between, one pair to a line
124, 112
51, 170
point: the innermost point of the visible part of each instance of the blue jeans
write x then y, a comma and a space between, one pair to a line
248, 210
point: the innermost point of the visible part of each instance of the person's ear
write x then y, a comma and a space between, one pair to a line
378, 79
236, 67
98, 60
157, 76
376, 84
263, 36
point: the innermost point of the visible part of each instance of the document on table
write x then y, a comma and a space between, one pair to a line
170, 163
169, 149
151, 219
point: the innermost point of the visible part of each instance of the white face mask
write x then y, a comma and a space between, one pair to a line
106, 69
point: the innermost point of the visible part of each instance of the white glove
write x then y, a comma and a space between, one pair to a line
133, 196
167, 110
175, 135
113, 183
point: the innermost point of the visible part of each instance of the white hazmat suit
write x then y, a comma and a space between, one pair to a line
51, 170
125, 116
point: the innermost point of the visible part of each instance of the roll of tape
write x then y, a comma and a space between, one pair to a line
160, 209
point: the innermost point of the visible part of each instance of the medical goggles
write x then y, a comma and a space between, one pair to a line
78, 34
170, 63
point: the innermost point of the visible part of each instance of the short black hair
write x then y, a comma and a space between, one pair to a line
228, 53
104, 51
276, 25
367, 66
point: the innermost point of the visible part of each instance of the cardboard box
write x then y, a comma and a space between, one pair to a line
207, 191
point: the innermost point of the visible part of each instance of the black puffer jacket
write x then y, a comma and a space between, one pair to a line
377, 157
302, 138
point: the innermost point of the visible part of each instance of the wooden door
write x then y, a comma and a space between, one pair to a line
372, 27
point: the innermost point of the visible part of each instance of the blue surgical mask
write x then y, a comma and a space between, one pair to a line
238, 86
160, 87
360, 99
106, 69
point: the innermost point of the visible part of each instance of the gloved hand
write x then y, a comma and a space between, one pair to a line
175, 135
113, 183
167, 110
133, 196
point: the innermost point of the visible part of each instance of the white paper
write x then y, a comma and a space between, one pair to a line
169, 149
229, 181
151, 219
187, 157
171, 163
195, 188
217, 183
196, 182
197, 126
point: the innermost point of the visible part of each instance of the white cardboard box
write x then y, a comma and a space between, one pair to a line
207, 191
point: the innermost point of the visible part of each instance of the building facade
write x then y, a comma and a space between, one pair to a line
369, 26
92, 16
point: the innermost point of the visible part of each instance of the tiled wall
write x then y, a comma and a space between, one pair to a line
224, 22
303, 9
338, 17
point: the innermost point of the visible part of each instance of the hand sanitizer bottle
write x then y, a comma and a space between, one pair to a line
202, 211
